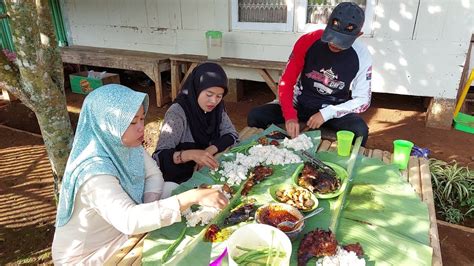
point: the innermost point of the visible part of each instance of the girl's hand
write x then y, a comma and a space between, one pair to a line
212, 149
201, 157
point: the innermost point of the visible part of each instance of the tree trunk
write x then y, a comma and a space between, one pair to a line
35, 76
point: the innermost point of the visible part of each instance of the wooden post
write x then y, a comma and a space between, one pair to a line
440, 113
236, 90
175, 78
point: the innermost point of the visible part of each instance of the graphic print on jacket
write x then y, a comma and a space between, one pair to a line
326, 76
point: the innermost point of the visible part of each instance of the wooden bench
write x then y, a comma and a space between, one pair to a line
152, 64
189, 62
417, 174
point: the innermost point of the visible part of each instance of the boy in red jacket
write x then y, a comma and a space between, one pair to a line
326, 81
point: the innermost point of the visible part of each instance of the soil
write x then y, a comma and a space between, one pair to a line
27, 207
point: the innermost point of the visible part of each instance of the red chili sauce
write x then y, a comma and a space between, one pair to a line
273, 217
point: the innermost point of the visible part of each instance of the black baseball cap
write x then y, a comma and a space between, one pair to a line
344, 25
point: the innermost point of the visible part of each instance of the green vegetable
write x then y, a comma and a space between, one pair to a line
259, 256
243, 148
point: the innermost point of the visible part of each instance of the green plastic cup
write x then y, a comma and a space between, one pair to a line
344, 142
401, 153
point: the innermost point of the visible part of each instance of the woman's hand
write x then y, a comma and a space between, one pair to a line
201, 157
203, 196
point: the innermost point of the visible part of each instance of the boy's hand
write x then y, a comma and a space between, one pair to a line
292, 128
315, 121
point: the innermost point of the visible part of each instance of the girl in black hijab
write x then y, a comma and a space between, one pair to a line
196, 126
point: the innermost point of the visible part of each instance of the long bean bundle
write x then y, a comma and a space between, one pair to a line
259, 256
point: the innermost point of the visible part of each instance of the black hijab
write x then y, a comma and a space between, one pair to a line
204, 126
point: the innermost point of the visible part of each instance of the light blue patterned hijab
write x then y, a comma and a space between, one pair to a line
97, 149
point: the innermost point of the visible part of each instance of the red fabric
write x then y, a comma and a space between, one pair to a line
292, 72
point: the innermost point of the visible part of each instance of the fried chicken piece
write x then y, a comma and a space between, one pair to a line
263, 140
211, 233
316, 181
356, 248
316, 243
261, 172
276, 135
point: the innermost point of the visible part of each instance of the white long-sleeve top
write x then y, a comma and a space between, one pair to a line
104, 216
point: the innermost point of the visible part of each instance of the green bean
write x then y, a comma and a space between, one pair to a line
256, 254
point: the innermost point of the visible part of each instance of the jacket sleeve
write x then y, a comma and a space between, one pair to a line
292, 72
360, 86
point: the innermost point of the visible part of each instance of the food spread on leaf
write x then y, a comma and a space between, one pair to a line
323, 245
297, 197
300, 143
318, 181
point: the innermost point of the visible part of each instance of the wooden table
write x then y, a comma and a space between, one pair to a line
152, 64
417, 174
189, 62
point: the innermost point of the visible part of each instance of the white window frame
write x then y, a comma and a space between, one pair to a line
258, 26
302, 26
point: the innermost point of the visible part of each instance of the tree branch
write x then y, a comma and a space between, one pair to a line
51, 56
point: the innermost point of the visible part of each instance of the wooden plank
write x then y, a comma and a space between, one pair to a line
123, 251
362, 151
369, 152
135, 254
325, 145
269, 80
377, 154
233, 62
387, 157
333, 147
427, 195
243, 132
413, 170
252, 131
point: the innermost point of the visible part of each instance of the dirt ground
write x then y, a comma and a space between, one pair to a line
27, 208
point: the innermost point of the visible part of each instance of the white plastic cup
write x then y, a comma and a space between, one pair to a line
254, 236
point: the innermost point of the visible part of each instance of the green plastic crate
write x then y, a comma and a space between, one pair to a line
80, 83
464, 122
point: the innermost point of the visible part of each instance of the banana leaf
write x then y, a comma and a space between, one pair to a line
382, 212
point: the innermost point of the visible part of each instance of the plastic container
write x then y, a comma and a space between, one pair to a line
464, 122
401, 153
344, 142
254, 236
214, 44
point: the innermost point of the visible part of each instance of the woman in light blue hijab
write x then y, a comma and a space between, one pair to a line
111, 187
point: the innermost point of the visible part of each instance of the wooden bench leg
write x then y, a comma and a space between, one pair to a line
175, 78
236, 90
191, 68
269, 80
154, 73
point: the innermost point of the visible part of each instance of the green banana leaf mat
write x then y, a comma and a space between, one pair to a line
382, 213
